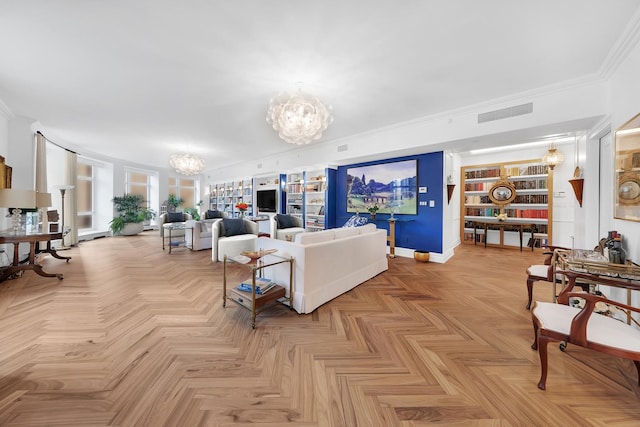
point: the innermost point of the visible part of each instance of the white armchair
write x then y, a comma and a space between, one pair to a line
201, 237
231, 236
172, 217
285, 227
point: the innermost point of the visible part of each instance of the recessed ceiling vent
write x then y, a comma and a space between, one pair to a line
504, 113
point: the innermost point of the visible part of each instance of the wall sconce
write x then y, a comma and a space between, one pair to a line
553, 157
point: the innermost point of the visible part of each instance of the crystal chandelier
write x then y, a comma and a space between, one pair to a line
298, 118
553, 157
187, 164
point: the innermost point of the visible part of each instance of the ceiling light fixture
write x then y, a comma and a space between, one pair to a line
186, 164
553, 157
299, 118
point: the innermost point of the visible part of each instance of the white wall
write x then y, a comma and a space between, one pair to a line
624, 95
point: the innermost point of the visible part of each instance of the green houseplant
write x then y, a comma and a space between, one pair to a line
132, 212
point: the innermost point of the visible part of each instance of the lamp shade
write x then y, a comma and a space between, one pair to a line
43, 200
15, 198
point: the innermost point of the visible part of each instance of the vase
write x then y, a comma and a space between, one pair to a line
241, 214
373, 215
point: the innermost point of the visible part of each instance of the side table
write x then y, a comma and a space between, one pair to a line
250, 300
169, 228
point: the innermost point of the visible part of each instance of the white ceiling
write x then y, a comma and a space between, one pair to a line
143, 79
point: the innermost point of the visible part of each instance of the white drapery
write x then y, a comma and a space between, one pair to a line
41, 175
71, 208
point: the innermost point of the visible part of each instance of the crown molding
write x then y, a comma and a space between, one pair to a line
6, 112
620, 51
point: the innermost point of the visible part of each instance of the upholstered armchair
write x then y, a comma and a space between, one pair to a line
172, 217
285, 227
201, 237
230, 236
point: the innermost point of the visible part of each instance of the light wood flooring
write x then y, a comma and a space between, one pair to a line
135, 337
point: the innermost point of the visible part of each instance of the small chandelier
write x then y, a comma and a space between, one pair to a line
186, 164
298, 118
553, 157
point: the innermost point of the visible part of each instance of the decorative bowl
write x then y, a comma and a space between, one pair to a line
421, 256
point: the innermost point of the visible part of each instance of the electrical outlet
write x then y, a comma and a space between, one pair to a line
423, 203
432, 203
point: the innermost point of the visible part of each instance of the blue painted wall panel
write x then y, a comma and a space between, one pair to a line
422, 231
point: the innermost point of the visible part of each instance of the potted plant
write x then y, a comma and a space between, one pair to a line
373, 209
174, 202
194, 211
131, 214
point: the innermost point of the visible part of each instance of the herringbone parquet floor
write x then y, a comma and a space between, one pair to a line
135, 337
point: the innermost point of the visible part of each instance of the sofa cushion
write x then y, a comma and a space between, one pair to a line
367, 228
346, 232
213, 214
356, 221
232, 227
175, 217
309, 237
285, 221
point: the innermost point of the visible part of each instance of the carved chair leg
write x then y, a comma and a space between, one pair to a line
529, 291
534, 346
637, 363
542, 351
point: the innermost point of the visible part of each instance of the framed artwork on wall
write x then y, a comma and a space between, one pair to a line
627, 171
392, 186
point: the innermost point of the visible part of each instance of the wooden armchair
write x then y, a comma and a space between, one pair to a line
559, 322
543, 272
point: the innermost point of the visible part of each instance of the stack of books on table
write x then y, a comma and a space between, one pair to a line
263, 285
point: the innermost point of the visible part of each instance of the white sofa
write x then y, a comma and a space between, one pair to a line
328, 263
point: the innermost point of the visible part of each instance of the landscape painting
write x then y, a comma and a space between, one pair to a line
392, 187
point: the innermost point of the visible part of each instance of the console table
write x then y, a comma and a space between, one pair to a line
34, 240
501, 225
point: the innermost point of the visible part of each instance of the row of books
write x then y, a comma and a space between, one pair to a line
482, 173
532, 198
263, 285
527, 213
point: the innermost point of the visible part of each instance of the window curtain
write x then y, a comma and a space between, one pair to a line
71, 208
41, 176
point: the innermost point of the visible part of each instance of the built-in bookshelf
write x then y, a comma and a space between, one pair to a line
315, 185
224, 196
294, 192
532, 204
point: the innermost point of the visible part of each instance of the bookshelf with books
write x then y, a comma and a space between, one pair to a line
532, 203
315, 185
294, 195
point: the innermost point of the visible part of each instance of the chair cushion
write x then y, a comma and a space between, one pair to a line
232, 226
601, 329
175, 217
284, 221
213, 214
356, 221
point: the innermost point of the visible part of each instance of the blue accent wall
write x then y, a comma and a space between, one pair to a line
420, 232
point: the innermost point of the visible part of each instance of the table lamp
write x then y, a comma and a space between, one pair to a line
17, 200
43, 201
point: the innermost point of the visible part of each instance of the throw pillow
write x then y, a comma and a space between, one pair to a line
284, 221
212, 214
233, 226
356, 221
175, 217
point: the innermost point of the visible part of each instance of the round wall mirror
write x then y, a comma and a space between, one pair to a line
629, 189
502, 192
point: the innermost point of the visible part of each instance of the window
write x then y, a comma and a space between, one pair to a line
84, 194
138, 183
184, 189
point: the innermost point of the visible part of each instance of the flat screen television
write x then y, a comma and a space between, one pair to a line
392, 186
267, 200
